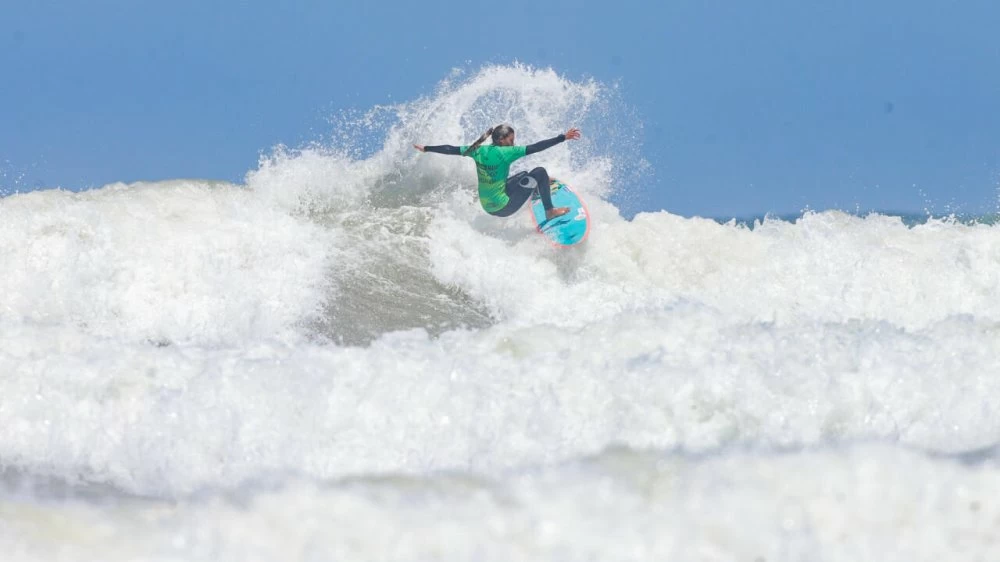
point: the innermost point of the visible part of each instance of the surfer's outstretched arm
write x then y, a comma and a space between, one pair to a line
440, 149
539, 146
542, 145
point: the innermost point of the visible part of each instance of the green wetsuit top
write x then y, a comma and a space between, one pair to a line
493, 166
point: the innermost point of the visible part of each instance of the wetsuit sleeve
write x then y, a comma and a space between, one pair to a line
542, 145
444, 149
511, 153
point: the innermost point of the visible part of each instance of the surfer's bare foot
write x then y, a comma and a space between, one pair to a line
555, 212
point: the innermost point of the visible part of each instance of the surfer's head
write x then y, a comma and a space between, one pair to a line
502, 135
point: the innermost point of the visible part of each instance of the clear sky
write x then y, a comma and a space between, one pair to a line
747, 107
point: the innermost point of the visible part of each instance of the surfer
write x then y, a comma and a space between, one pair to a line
499, 195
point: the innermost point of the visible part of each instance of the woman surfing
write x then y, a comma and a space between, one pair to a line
502, 196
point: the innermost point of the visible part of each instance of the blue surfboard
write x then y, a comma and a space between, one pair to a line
569, 229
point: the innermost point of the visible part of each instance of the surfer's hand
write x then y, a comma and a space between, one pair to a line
419, 147
573, 134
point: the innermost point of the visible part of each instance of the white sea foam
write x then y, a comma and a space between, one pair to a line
168, 420
862, 503
355, 317
181, 260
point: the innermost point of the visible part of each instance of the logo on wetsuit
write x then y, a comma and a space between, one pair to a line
488, 173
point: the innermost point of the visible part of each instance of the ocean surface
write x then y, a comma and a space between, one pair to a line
343, 358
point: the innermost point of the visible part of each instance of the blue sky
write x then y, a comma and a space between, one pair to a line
747, 107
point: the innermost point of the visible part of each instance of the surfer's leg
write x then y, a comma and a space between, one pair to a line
519, 188
540, 177
516, 194
535, 180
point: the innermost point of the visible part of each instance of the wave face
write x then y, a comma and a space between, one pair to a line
345, 358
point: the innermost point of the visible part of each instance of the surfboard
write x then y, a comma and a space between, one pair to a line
569, 229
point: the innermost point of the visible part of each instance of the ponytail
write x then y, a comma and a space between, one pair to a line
478, 142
